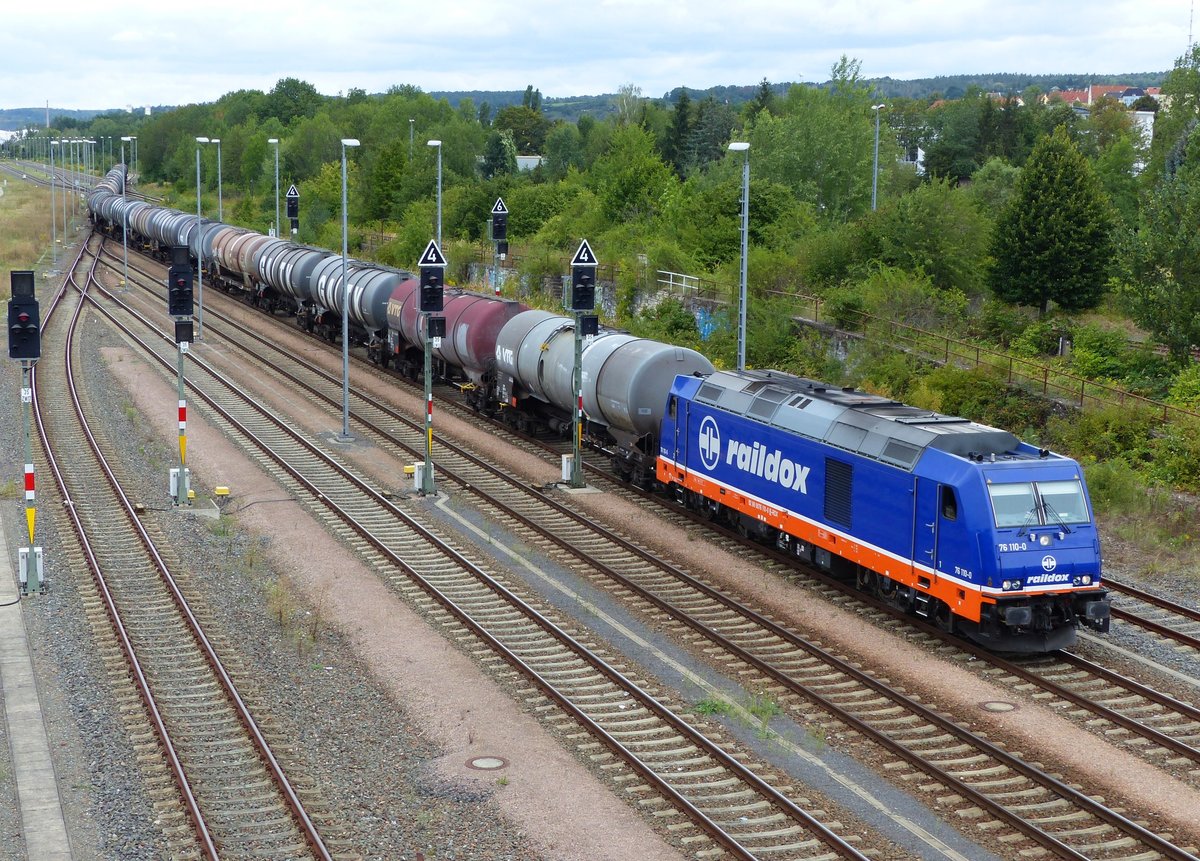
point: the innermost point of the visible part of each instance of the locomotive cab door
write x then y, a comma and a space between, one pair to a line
925, 524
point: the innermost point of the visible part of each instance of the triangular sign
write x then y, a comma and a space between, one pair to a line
292, 191
499, 208
584, 256
432, 255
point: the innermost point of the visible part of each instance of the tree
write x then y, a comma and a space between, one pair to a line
1181, 93
499, 155
763, 100
527, 126
677, 134
1163, 294
820, 145
1053, 241
564, 150
630, 179
291, 98
709, 134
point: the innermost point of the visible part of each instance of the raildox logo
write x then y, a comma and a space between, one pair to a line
710, 443
752, 458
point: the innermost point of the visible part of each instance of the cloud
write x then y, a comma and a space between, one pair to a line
84, 56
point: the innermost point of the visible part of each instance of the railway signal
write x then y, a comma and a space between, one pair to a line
582, 299
500, 237
433, 266
293, 208
179, 307
583, 278
25, 344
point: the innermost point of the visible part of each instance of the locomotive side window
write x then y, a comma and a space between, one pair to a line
671, 406
1063, 502
949, 503
1013, 504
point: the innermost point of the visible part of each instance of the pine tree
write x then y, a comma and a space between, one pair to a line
1053, 241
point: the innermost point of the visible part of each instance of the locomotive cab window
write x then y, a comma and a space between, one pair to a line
1063, 502
671, 406
949, 503
1043, 503
1013, 504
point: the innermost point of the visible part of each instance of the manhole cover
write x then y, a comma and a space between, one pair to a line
997, 706
486, 763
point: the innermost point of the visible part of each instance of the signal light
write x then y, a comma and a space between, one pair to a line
583, 288
24, 325
431, 289
499, 226
179, 291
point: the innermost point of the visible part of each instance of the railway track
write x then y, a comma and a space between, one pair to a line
238, 800
730, 806
977, 778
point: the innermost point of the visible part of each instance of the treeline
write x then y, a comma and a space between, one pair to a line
1026, 225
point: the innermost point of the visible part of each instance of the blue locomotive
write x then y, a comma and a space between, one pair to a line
955, 521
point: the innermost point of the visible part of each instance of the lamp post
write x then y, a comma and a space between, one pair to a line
124, 213
345, 437
199, 251
438, 144
220, 205
53, 206
276, 142
743, 147
875, 169
410, 138
134, 139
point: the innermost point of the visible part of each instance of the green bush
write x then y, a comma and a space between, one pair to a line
1177, 455
975, 394
997, 323
1115, 487
1185, 389
1041, 338
1106, 434
843, 307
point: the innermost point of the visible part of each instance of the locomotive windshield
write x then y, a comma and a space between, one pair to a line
1042, 503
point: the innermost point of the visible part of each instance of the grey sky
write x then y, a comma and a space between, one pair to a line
88, 55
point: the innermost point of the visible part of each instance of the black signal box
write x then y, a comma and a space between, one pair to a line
183, 332
180, 290
583, 288
431, 289
437, 327
24, 322
589, 324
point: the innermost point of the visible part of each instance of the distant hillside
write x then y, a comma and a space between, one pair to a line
15, 119
571, 108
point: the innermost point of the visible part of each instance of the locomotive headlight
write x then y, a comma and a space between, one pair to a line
1010, 585
1083, 580
1044, 541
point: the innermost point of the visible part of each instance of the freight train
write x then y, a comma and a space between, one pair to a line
959, 523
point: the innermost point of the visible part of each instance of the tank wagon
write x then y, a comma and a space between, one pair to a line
956, 521
271, 273
625, 381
